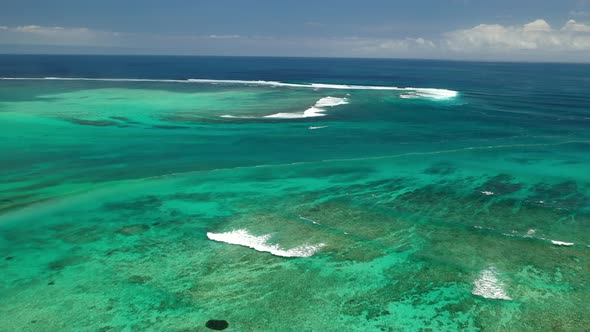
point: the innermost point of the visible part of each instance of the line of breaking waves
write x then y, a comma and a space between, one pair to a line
430, 93
243, 238
317, 109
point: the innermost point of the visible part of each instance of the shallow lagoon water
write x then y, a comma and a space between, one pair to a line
410, 214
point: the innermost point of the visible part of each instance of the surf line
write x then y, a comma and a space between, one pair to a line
433, 93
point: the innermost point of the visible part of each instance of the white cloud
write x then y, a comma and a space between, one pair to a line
574, 26
536, 40
55, 35
224, 36
538, 25
537, 35
393, 45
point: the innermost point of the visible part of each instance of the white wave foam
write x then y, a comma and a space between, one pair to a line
241, 237
316, 127
409, 96
316, 110
430, 93
560, 243
308, 113
532, 234
330, 102
487, 193
287, 116
237, 116
487, 285
435, 93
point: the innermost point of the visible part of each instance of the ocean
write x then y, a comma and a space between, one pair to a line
152, 193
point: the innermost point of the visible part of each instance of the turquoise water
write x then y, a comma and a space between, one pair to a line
162, 203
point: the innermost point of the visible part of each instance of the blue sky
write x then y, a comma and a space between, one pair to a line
543, 30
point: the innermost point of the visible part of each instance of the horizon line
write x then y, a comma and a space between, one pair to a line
299, 57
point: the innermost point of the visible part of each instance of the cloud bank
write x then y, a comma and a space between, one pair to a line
46, 35
537, 35
534, 41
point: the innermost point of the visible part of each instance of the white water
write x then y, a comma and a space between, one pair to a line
560, 243
242, 237
488, 285
316, 110
429, 93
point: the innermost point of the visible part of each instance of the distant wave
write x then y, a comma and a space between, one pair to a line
430, 93
229, 116
530, 234
242, 237
331, 101
561, 243
316, 110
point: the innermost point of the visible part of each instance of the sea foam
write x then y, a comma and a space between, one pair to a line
229, 116
331, 101
242, 237
428, 93
487, 285
316, 110
561, 243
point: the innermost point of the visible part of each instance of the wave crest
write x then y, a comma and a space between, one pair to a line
488, 285
242, 237
429, 93
316, 110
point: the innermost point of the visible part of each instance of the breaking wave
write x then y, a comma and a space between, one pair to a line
488, 285
242, 237
316, 110
429, 93
561, 243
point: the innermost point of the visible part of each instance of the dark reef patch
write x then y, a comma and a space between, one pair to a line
146, 203
96, 123
501, 184
560, 190
217, 324
170, 127
442, 168
61, 264
182, 118
564, 195
80, 235
120, 118
139, 279
133, 229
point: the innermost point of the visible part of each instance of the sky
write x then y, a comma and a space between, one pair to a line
516, 30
